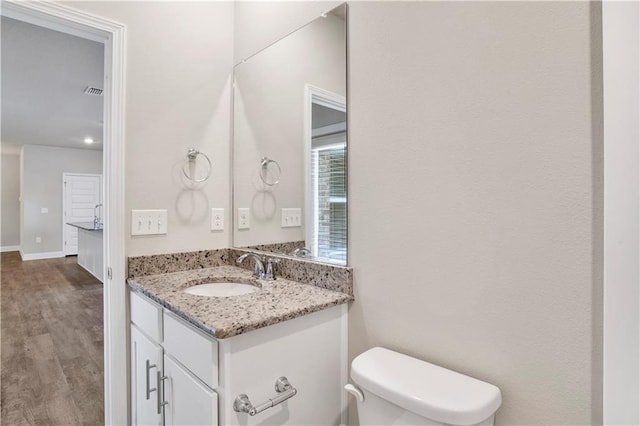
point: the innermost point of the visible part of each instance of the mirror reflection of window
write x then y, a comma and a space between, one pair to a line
328, 236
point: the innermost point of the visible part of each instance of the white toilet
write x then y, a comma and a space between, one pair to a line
396, 389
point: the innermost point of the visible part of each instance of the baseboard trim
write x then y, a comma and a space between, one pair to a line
39, 256
9, 248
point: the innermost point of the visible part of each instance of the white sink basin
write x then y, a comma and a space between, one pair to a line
221, 289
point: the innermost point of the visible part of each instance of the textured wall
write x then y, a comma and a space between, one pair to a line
10, 231
475, 196
179, 59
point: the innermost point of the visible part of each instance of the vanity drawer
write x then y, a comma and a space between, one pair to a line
147, 316
192, 348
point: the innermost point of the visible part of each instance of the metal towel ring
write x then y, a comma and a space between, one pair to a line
191, 157
264, 164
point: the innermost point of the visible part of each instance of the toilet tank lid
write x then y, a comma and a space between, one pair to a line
425, 389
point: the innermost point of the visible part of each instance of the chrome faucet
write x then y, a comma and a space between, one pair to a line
270, 273
96, 219
258, 270
301, 252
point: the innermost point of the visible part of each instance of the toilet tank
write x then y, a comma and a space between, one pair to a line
417, 390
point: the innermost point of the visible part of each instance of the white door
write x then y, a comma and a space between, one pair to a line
189, 402
146, 361
80, 195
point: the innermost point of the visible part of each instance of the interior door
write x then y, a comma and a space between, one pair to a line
81, 194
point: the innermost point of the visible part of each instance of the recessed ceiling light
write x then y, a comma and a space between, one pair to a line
88, 140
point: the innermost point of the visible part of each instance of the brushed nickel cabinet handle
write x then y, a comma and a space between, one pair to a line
149, 390
161, 403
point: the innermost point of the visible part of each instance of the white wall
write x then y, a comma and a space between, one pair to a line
269, 121
475, 194
621, 135
41, 178
479, 246
10, 204
179, 59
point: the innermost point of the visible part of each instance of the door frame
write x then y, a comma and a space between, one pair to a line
65, 175
621, 271
66, 19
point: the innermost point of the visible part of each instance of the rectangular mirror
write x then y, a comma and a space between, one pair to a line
290, 144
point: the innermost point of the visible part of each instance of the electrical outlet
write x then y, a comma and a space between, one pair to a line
244, 219
217, 219
38, 240
148, 222
44, 210
291, 218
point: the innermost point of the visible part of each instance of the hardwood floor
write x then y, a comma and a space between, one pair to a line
51, 343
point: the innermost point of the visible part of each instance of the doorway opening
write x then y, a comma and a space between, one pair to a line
111, 35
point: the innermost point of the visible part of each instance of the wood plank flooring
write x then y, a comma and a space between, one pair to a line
51, 343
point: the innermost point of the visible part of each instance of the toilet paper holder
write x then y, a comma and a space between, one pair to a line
242, 404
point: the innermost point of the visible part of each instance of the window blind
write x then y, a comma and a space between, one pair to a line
330, 199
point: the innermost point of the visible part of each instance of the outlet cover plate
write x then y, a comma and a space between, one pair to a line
244, 218
217, 219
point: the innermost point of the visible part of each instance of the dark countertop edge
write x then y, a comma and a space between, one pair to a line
221, 334
87, 226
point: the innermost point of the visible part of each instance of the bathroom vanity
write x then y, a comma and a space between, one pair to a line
276, 355
90, 249
193, 356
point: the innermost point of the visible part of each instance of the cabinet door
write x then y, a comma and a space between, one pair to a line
146, 361
189, 402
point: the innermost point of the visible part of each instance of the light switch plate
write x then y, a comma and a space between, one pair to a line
148, 222
244, 219
217, 219
291, 218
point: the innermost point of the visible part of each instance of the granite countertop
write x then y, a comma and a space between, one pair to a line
223, 317
87, 226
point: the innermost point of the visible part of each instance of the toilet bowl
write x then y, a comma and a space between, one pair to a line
395, 389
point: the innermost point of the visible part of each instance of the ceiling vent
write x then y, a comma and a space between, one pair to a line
94, 91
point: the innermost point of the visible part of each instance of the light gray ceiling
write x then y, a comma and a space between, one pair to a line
44, 75
322, 116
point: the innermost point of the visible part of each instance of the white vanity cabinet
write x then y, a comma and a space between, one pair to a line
146, 358
200, 376
166, 355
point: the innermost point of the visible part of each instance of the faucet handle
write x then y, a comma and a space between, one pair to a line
258, 267
270, 273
